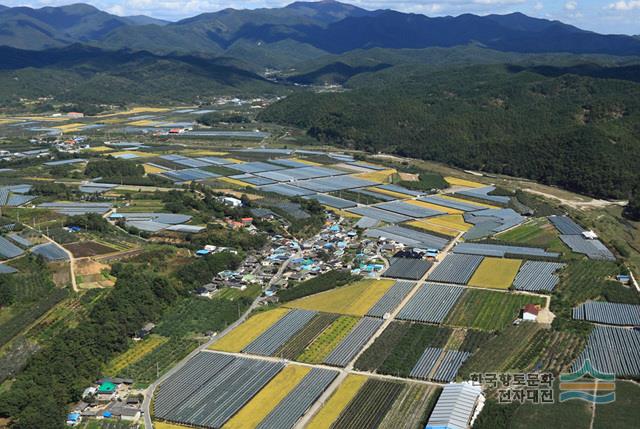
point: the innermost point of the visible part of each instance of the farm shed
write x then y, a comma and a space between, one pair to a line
328, 200
456, 269
255, 167
299, 400
286, 190
431, 303
383, 215
353, 342
50, 251
391, 299
455, 407
452, 204
6, 269
484, 194
565, 225
372, 193
76, 208
329, 184
407, 268
401, 190
612, 350
9, 250
65, 162
211, 387
409, 237
501, 251
407, 209
594, 249
610, 313
189, 174
536, 276
280, 332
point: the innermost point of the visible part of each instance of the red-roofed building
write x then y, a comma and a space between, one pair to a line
530, 312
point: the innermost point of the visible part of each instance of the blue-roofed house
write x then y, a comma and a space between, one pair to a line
73, 419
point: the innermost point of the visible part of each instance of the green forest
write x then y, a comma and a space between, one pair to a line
578, 132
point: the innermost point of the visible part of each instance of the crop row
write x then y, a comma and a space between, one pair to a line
135, 354
370, 405
158, 361
488, 310
320, 348
408, 409
296, 345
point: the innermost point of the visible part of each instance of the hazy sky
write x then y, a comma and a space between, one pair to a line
605, 16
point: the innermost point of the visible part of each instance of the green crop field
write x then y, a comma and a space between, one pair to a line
408, 410
488, 310
537, 232
328, 340
398, 349
624, 412
296, 345
154, 364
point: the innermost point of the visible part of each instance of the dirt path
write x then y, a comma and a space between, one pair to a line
577, 204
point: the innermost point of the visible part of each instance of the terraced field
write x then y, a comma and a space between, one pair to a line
488, 310
338, 401
266, 400
354, 299
495, 273
248, 331
322, 346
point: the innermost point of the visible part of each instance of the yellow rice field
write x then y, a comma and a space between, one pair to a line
381, 176
235, 182
460, 200
495, 273
152, 169
343, 213
134, 354
354, 299
266, 400
70, 128
248, 331
5, 121
332, 409
455, 181
44, 118
434, 207
136, 110
204, 152
100, 149
450, 225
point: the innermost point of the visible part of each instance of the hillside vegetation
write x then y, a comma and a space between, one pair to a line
578, 132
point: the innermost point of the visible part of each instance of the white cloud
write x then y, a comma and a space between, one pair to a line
571, 5
625, 5
538, 6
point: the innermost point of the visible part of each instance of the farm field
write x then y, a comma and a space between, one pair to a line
501, 353
296, 345
455, 181
88, 248
320, 348
135, 354
152, 169
495, 273
465, 201
248, 331
410, 409
354, 299
448, 210
338, 401
488, 310
400, 346
381, 176
624, 412
450, 225
155, 363
536, 232
570, 414
266, 400
370, 405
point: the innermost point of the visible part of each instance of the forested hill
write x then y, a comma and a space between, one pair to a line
578, 132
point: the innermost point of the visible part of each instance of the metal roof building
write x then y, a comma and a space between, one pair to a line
455, 407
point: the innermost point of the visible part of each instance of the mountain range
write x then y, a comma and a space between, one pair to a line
281, 37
